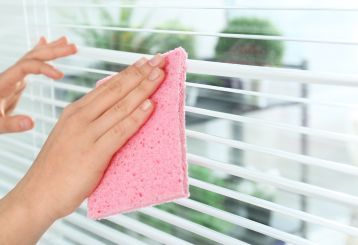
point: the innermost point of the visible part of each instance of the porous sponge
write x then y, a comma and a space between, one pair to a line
151, 168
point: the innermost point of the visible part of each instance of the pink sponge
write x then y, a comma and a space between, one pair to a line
151, 168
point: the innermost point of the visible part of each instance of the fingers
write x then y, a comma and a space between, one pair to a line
34, 63
38, 67
119, 134
52, 52
61, 41
129, 103
9, 100
12, 101
110, 92
41, 42
18, 123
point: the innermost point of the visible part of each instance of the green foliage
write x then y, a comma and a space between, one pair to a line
198, 194
250, 51
115, 40
163, 42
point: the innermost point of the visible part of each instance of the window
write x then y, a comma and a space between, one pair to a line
271, 114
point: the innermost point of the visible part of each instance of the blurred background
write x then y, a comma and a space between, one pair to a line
317, 40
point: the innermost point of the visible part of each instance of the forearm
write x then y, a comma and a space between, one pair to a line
21, 222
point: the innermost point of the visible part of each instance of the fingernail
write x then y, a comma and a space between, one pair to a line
25, 124
140, 62
156, 60
154, 74
146, 105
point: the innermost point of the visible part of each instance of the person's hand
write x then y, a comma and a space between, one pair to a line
12, 81
89, 132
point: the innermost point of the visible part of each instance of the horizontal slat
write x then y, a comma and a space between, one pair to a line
307, 160
240, 221
191, 6
272, 96
186, 225
201, 33
230, 90
191, 226
75, 235
216, 114
147, 230
18, 143
279, 182
231, 70
102, 230
25, 162
10, 172
163, 5
298, 214
268, 123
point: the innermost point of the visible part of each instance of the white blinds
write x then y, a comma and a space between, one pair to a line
271, 145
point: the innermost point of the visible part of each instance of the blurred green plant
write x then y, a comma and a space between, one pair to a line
160, 43
250, 51
200, 195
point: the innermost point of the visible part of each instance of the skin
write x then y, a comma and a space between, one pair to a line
76, 153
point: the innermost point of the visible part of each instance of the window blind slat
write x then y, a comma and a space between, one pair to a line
225, 69
286, 184
298, 214
74, 235
222, 89
165, 5
211, 113
279, 182
307, 160
102, 230
191, 226
147, 230
198, 33
231, 70
252, 225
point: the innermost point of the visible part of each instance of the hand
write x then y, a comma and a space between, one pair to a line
12, 81
76, 154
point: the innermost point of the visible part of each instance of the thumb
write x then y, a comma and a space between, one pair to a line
17, 123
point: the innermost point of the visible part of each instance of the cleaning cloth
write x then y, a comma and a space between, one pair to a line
151, 168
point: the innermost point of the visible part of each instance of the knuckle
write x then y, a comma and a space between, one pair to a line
119, 130
125, 72
142, 90
118, 107
114, 86
137, 72
135, 120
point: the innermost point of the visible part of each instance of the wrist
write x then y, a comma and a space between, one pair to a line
17, 216
23, 206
